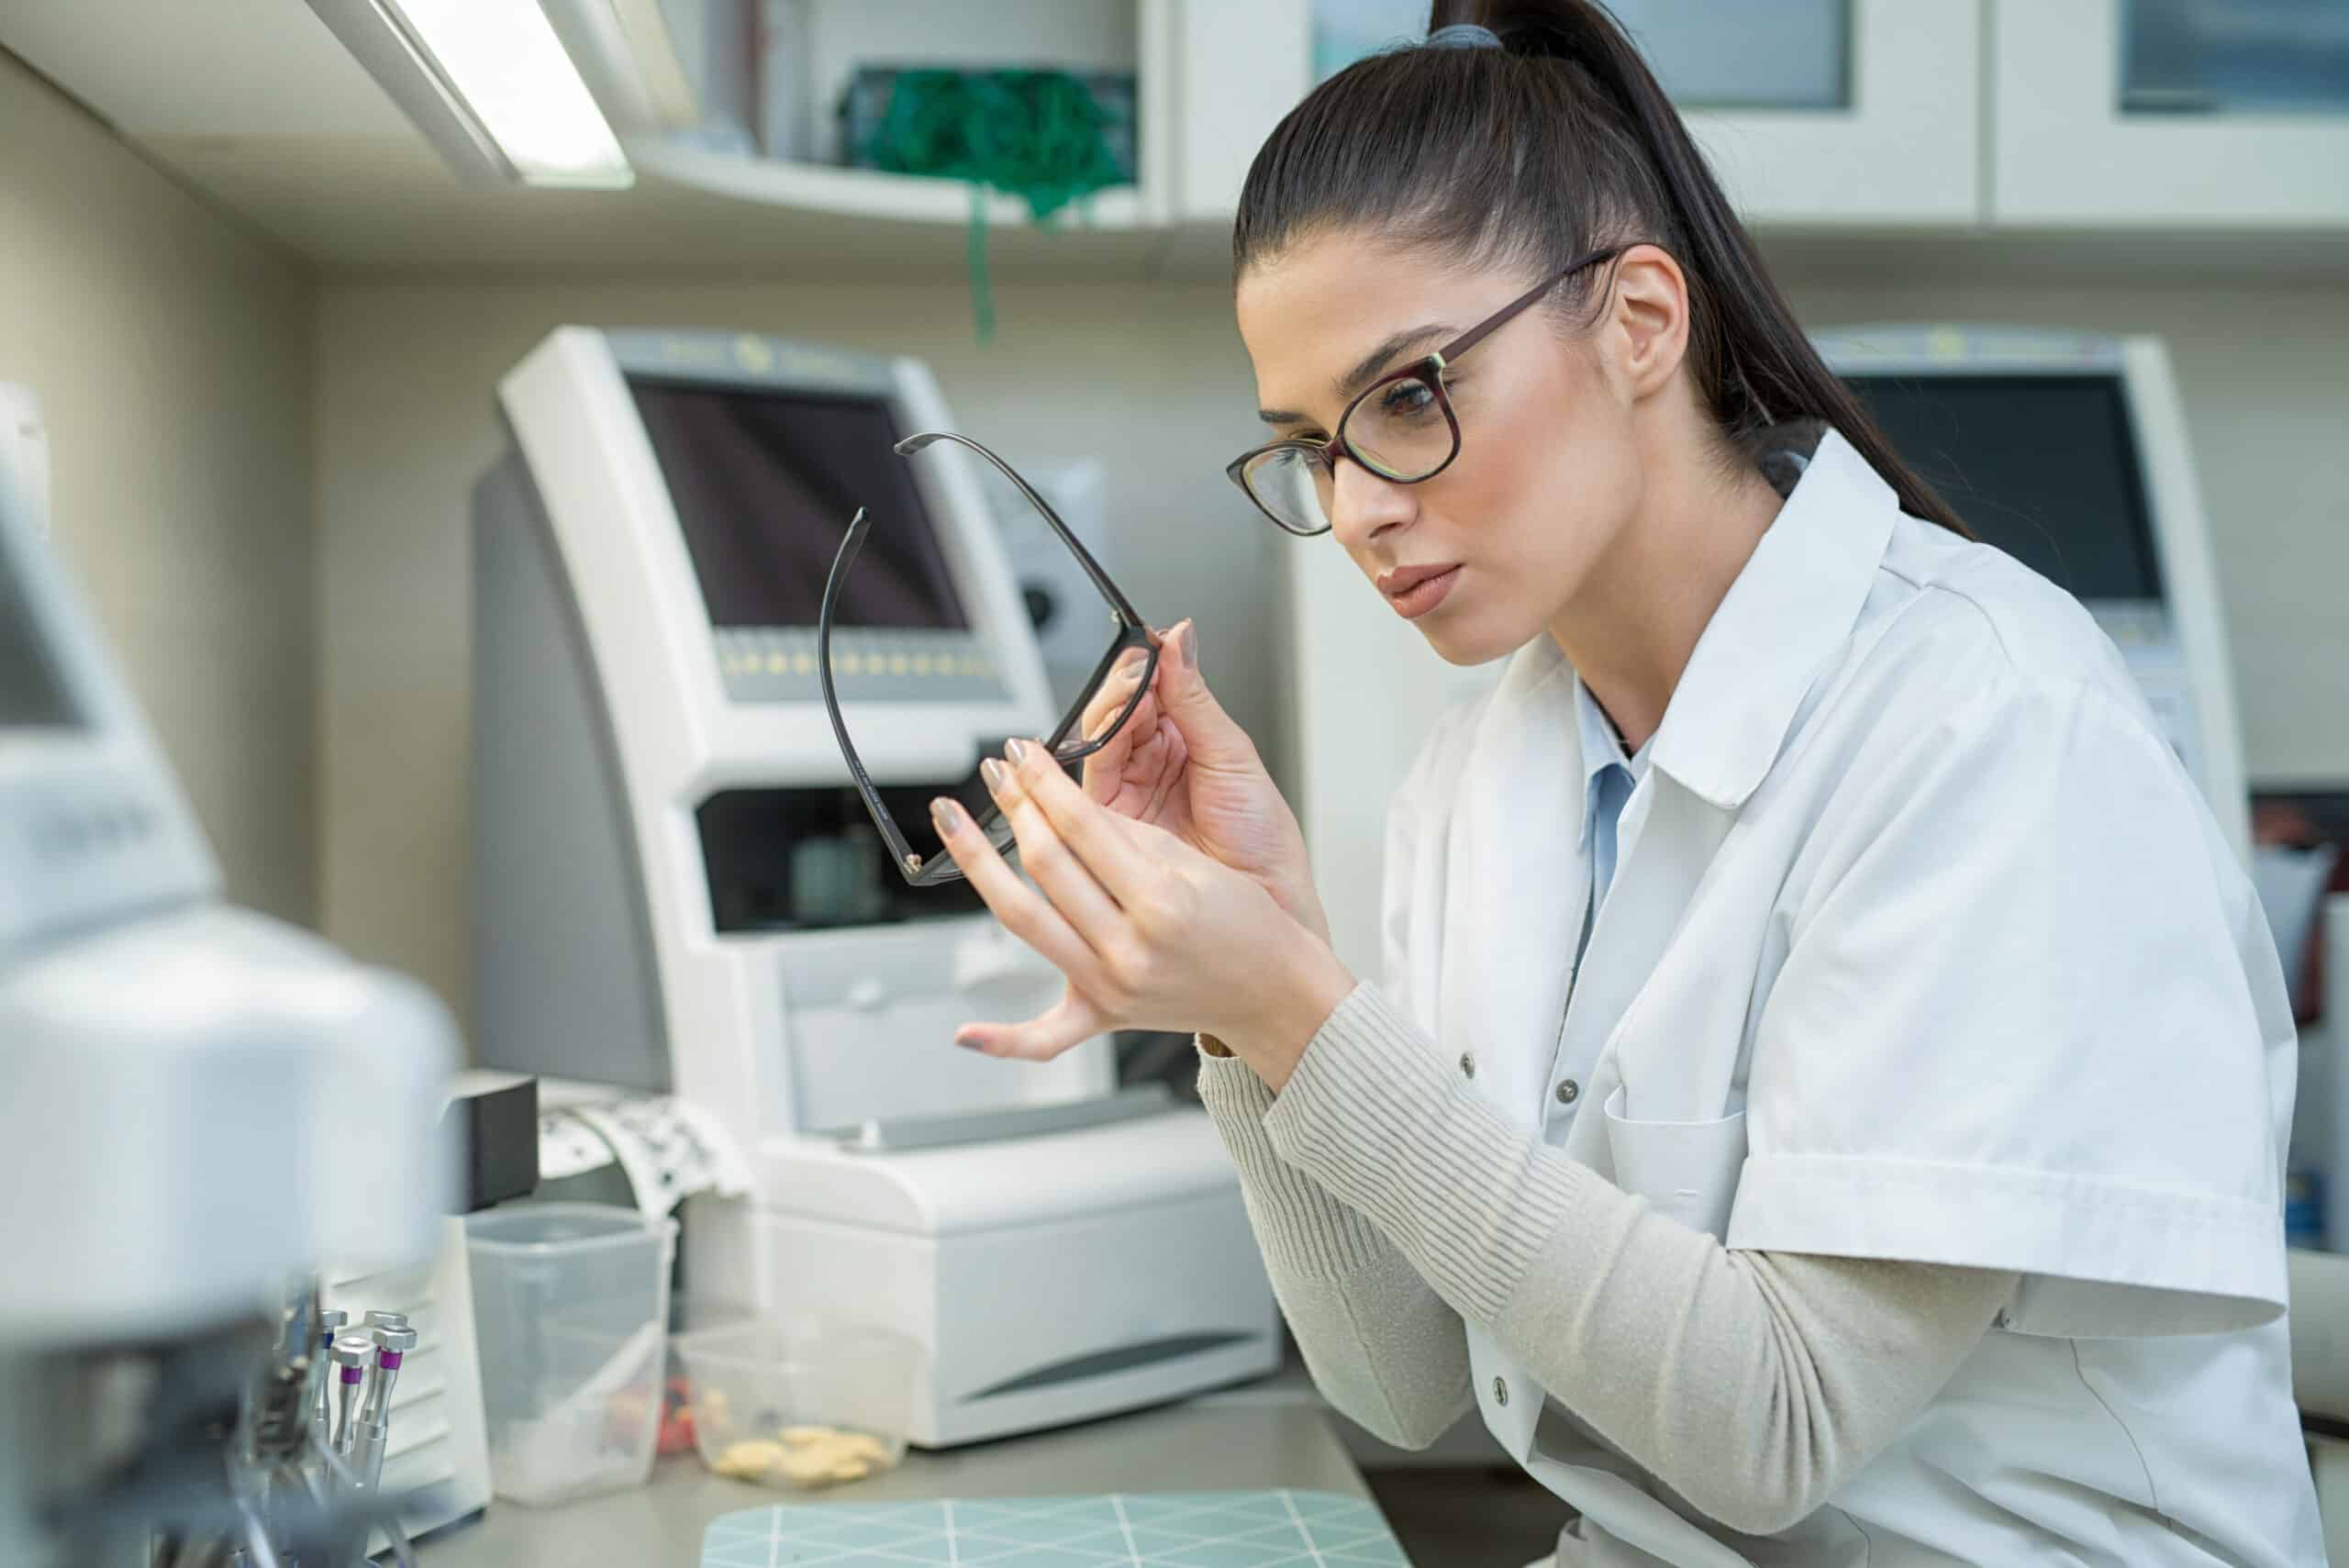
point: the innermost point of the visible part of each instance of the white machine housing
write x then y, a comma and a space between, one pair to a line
1054, 1275
201, 1102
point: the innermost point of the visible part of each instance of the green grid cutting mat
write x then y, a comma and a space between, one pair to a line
1161, 1530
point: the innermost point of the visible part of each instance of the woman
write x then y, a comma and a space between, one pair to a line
1826, 1101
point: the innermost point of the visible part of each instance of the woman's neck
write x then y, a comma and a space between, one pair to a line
1630, 629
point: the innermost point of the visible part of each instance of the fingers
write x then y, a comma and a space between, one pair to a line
1025, 912
1215, 737
1102, 841
1058, 869
1104, 768
1066, 1026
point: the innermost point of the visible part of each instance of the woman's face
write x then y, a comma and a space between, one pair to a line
1548, 474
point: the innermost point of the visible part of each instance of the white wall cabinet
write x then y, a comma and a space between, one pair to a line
1904, 154
2067, 154
1238, 66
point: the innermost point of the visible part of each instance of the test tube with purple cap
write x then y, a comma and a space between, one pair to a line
392, 1344
349, 1355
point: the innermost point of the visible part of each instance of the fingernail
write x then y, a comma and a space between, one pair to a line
966, 1041
1130, 667
1015, 749
996, 773
1186, 642
947, 816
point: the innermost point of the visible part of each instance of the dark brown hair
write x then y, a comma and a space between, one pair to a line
1556, 144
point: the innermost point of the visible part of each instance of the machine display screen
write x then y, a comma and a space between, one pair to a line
31, 695
765, 483
2043, 466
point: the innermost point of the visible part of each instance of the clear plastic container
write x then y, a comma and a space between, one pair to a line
800, 1405
571, 1304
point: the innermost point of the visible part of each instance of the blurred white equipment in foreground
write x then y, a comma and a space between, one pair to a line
198, 1105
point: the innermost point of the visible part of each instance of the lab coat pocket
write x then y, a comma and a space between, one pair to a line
1686, 1169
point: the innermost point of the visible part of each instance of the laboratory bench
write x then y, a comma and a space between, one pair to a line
1215, 1444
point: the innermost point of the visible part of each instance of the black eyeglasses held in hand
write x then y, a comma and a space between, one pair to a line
1064, 743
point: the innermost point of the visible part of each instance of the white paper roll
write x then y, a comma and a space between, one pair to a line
668, 1150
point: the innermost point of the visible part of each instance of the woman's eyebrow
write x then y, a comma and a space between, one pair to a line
1355, 380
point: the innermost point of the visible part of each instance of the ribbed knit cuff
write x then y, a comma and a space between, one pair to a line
1301, 1226
1380, 1119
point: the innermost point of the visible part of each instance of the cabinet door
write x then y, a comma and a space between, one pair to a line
2170, 113
1239, 66
1900, 152
1875, 127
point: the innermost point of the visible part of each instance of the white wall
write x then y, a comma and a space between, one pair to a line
170, 349
1153, 379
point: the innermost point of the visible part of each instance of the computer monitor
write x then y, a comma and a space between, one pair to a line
764, 483
2069, 452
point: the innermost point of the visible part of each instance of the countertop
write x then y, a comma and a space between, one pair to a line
1211, 1445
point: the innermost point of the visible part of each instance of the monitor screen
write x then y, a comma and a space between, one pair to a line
2043, 466
765, 483
32, 694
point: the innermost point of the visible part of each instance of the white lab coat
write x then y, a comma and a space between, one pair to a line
1920, 945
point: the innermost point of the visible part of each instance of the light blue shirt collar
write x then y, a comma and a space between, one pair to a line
1602, 748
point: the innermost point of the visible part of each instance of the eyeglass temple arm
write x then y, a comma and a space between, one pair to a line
1511, 311
908, 862
1125, 613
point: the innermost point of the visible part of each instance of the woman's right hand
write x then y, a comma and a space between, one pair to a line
1182, 763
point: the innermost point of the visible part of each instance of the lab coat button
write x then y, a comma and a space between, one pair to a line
1568, 1091
1467, 1065
1500, 1391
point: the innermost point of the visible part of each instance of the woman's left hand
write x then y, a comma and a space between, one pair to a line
1150, 933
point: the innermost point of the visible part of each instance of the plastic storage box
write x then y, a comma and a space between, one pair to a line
800, 1405
571, 1304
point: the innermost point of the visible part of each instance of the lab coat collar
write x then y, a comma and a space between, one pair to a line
1789, 610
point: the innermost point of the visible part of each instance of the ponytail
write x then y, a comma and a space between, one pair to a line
1558, 143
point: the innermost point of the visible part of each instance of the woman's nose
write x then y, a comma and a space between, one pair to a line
1363, 506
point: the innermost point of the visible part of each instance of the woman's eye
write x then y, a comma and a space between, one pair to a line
1405, 399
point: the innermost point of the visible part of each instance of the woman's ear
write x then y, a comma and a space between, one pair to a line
1647, 320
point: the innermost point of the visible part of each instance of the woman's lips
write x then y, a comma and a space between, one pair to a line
1415, 590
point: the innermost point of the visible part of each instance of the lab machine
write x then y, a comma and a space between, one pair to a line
201, 1107
675, 891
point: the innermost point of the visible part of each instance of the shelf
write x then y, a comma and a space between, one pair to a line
865, 193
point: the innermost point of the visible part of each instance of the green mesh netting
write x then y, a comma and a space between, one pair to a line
1036, 135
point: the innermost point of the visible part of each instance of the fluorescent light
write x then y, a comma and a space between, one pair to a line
488, 83
507, 64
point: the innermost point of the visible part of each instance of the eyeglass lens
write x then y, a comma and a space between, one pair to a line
1400, 429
